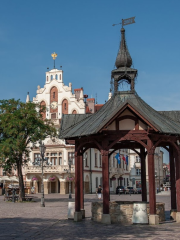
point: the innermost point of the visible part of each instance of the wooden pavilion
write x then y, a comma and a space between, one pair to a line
125, 121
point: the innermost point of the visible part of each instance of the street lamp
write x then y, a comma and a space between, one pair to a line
40, 162
70, 161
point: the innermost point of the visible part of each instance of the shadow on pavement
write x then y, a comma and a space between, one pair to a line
37, 228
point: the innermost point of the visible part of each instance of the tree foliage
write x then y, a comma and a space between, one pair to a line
20, 125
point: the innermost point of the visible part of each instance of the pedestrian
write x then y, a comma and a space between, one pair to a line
99, 191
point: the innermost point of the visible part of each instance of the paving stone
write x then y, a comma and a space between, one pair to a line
30, 221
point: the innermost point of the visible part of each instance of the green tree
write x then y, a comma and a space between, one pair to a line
21, 125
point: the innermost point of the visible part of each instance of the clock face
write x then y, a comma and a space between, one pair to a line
54, 105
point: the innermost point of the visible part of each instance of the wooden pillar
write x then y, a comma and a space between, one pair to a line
143, 174
81, 182
173, 182
77, 182
178, 181
151, 173
105, 176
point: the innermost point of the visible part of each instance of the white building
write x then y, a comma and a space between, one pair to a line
135, 169
58, 99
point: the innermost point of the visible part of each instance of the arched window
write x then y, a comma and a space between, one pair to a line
65, 106
47, 78
54, 98
74, 112
60, 77
43, 104
56, 77
51, 77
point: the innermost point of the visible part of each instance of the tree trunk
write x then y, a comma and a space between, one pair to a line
21, 183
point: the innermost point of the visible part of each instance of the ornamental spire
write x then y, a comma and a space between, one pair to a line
123, 58
54, 56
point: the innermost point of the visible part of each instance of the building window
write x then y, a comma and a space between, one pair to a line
65, 106
51, 77
86, 160
110, 182
138, 159
71, 158
60, 161
124, 182
53, 116
95, 159
53, 94
47, 78
114, 162
100, 161
56, 77
37, 155
96, 182
127, 182
74, 112
60, 77
138, 171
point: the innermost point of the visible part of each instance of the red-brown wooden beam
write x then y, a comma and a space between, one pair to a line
105, 176
151, 173
178, 181
81, 182
173, 181
77, 182
143, 174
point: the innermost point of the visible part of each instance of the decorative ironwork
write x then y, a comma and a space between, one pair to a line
126, 21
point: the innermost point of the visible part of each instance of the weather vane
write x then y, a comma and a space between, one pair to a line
126, 21
54, 56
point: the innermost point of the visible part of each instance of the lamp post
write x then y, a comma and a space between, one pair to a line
40, 162
70, 160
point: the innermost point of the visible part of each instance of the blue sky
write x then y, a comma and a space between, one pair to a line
81, 33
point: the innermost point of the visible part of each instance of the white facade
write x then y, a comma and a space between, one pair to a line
58, 99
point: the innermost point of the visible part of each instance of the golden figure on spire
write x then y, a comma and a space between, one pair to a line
54, 56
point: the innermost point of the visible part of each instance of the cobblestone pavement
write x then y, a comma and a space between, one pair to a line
30, 221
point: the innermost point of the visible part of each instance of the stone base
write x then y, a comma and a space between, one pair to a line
106, 218
153, 219
178, 217
83, 213
173, 214
77, 216
71, 210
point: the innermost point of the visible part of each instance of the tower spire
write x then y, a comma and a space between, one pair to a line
27, 98
124, 72
123, 58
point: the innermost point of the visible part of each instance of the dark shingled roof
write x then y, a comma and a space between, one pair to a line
87, 124
175, 115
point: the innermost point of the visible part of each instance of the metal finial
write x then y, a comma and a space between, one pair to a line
54, 56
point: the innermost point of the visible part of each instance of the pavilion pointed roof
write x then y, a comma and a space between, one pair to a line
82, 125
123, 58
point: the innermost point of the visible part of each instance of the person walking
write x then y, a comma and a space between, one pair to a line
99, 191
